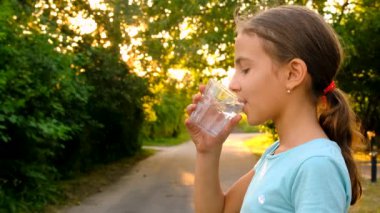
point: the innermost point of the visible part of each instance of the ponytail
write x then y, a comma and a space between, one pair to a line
340, 124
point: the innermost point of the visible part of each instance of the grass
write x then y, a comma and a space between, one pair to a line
84, 185
182, 137
370, 200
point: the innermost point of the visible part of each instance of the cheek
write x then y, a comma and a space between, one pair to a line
260, 89
259, 109
264, 101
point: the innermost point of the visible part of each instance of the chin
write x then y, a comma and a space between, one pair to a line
255, 120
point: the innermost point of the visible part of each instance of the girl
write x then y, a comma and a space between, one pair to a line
285, 60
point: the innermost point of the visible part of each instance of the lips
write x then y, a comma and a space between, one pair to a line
242, 101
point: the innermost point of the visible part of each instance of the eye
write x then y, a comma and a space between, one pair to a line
245, 71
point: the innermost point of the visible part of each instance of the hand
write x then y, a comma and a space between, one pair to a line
203, 141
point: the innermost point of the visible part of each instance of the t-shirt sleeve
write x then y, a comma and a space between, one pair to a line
320, 186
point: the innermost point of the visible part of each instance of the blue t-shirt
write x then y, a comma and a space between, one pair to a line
311, 177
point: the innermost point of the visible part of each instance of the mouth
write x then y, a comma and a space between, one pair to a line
242, 101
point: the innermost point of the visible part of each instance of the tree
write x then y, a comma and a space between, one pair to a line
199, 36
360, 75
41, 105
116, 101
66, 104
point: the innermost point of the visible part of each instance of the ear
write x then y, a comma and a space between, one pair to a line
296, 73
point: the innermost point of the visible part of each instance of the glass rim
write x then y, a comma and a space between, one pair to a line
221, 86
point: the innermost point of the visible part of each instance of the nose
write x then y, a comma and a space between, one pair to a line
234, 85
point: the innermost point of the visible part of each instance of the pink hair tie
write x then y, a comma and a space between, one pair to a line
329, 88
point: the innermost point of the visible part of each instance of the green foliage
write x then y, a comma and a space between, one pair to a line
244, 126
41, 98
360, 75
259, 143
213, 25
270, 129
60, 113
115, 107
170, 112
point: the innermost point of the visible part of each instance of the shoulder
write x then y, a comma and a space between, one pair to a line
321, 165
321, 171
321, 180
320, 148
320, 157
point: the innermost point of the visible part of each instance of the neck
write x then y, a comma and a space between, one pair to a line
298, 125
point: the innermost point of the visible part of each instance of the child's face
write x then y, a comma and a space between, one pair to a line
257, 80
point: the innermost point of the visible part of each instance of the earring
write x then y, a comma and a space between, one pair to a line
288, 91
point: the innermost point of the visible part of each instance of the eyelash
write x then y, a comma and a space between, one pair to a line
245, 71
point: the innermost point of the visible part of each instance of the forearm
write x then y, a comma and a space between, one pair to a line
209, 197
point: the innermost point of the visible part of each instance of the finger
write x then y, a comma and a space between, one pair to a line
190, 108
235, 120
202, 88
197, 97
191, 127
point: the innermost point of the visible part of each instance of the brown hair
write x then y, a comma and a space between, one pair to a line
292, 32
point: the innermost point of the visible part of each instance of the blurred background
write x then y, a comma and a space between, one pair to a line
86, 83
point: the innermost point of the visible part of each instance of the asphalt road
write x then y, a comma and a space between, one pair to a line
164, 182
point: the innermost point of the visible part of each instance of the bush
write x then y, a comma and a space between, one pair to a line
115, 109
169, 112
55, 119
41, 105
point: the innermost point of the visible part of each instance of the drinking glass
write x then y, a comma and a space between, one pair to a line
217, 107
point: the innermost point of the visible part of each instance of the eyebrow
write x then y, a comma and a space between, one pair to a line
240, 59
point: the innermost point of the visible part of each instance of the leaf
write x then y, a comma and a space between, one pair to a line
13, 119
